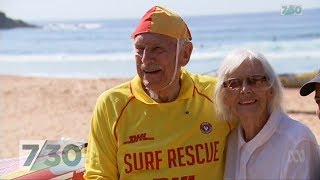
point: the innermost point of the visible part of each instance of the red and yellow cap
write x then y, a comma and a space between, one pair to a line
161, 21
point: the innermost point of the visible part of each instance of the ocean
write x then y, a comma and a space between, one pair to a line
103, 48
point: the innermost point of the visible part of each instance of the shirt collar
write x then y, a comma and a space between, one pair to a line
186, 90
264, 135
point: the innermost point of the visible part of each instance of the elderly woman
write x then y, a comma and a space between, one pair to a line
267, 144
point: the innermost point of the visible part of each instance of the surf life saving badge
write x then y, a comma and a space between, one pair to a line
206, 127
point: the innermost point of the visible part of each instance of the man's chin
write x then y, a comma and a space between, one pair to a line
151, 85
318, 113
153, 88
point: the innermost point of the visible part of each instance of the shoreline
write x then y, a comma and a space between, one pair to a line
37, 108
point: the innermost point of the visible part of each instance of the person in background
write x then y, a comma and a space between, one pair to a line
309, 87
161, 124
267, 144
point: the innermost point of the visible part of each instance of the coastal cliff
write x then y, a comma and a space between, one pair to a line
8, 23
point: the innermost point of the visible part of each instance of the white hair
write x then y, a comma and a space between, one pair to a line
231, 62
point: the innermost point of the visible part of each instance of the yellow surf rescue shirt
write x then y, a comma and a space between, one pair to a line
134, 137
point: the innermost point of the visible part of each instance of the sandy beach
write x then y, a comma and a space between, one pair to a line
48, 108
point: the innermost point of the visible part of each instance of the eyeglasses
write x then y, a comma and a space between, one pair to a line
255, 81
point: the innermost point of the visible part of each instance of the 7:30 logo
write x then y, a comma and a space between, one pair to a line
49, 153
291, 10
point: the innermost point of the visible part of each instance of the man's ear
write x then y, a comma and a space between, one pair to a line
186, 53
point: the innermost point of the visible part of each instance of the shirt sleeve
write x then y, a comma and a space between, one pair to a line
303, 161
101, 156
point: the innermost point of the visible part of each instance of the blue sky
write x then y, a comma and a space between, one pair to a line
106, 9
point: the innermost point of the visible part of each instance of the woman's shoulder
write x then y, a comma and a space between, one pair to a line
233, 136
294, 130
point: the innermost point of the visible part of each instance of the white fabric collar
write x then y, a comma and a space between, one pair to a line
264, 135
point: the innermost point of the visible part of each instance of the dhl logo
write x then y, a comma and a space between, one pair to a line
177, 178
138, 137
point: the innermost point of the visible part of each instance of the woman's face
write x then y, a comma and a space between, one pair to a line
248, 91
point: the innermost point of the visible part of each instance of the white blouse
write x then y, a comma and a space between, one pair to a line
283, 149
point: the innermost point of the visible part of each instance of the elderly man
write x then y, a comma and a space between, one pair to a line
309, 87
161, 124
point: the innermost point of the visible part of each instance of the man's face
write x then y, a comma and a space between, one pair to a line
155, 59
317, 97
